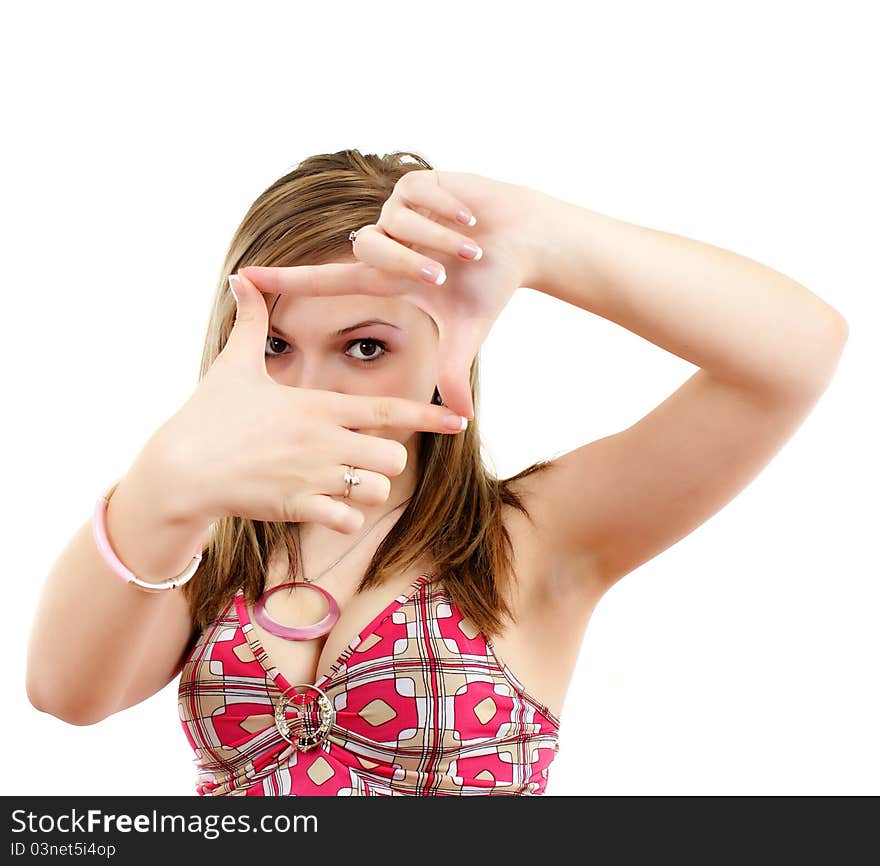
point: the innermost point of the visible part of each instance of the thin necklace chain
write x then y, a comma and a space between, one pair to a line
350, 549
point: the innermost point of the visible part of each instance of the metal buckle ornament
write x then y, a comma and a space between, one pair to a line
311, 734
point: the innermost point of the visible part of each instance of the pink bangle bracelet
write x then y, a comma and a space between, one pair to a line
99, 528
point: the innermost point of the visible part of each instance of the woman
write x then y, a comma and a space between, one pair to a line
447, 607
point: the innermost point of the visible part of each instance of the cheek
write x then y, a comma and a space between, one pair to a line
408, 378
400, 374
402, 379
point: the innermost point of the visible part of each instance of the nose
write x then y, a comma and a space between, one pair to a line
311, 376
317, 374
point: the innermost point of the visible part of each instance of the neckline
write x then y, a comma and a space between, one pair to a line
274, 672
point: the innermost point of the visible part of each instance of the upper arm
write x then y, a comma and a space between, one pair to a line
620, 500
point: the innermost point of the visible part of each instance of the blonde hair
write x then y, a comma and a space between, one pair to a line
454, 517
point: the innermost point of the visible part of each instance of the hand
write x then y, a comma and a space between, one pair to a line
245, 445
418, 228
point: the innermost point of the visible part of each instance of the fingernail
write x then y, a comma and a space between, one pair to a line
467, 218
233, 282
470, 251
433, 274
456, 422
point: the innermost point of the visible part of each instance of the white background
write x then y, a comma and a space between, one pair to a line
742, 660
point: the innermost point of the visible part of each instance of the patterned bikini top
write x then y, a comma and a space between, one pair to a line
417, 703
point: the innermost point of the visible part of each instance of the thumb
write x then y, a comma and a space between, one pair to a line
456, 354
247, 339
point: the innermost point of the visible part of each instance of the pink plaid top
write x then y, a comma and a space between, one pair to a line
417, 703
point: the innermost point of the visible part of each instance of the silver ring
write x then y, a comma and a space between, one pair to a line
353, 234
350, 478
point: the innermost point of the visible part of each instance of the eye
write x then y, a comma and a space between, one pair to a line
368, 351
270, 340
371, 351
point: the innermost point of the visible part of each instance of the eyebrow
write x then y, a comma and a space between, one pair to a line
342, 331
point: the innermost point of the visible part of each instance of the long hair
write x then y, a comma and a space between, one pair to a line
455, 514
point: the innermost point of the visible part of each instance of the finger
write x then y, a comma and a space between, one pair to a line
375, 454
371, 488
385, 246
332, 513
357, 411
247, 339
333, 278
374, 247
422, 188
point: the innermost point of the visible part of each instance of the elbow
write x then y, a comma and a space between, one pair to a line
836, 341
821, 358
72, 714
840, 327
844, 331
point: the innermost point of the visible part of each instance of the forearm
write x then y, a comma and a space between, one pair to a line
90, 629
734, 317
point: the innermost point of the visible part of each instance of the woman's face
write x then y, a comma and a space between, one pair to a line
312, 344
